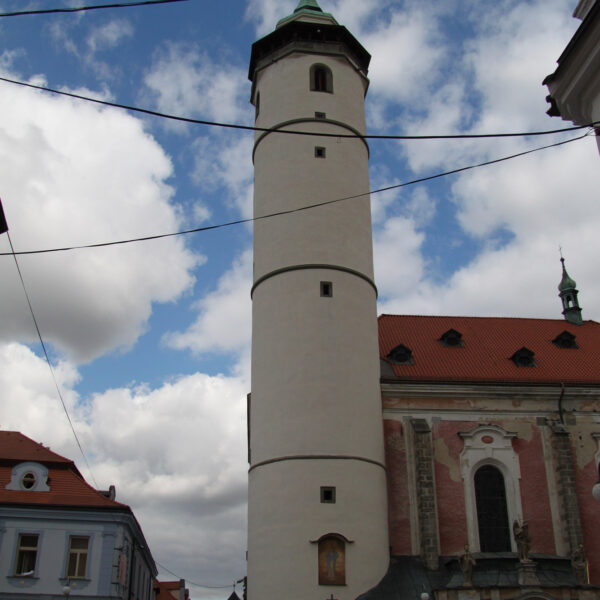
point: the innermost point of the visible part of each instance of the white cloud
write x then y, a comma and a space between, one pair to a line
76, 174
30, 398
549, 193
266, 13
399, 265
517, 45
109, 35
516, 213
407, 55
495, 84
225, 161
542, 201
185, 81
101, 38
179, 475
223, 323
8, 58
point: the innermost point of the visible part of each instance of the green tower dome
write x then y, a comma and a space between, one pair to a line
307, 8
308, 5
566, 282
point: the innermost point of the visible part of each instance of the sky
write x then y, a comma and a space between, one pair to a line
150, 341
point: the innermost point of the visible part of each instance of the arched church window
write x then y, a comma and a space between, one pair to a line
492, 513
321, 79
332, 560
257, 106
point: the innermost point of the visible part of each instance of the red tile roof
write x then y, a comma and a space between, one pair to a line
67, 487
16, 446
168, 590
488, 344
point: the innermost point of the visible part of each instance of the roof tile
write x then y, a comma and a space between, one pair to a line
67, 486
488, 344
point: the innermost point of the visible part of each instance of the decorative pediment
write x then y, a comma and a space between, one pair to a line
485, 436
29, 477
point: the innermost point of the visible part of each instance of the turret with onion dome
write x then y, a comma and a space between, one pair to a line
567, 290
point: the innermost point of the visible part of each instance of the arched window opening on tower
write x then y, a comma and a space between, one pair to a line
321, 79
257, 106
492, 513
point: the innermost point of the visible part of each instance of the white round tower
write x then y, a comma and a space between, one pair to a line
317, 522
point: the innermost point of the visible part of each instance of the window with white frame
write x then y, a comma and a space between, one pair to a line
492, 515
78, 553
27, 549
491, 474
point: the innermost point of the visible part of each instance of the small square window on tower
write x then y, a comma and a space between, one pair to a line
320, 115
320, 152
326, 289
327, 495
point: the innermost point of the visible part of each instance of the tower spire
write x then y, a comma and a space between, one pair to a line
308, 5
309, 10
567, 290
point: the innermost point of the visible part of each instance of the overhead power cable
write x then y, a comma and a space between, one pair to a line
187, 581
154, 113
295, 210
4, 229
46, 11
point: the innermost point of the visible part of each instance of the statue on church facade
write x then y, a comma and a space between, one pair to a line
523, 540
580, 565
467, 562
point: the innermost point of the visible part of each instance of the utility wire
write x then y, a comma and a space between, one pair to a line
84, 8
302, 208
154, 113
48, 360
208, 587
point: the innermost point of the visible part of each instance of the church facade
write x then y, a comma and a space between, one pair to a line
574, 88
492, 445
405, 457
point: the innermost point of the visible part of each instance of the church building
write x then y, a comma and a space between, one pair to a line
574, 88
406, 456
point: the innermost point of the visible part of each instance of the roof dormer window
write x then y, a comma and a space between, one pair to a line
452, 338
401, 355
29, 476
28, 480
523, 358
565, 340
